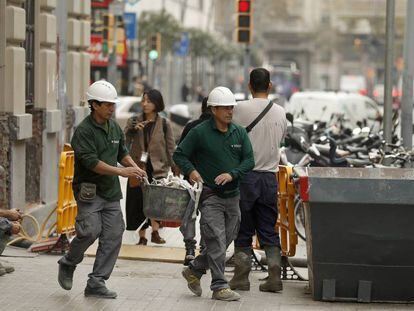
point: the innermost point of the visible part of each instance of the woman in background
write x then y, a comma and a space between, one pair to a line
150, 139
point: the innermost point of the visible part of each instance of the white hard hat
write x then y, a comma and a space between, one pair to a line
102, 91
180, 110
221, 96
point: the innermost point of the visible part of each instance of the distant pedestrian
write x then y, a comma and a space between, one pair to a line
189, 231
258, 189
150, 139
137, 86
98, 144
185, 91
218, 153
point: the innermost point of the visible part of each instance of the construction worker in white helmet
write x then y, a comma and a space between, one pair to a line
98, 144
217, 153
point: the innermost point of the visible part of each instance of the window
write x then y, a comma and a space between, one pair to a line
29, 46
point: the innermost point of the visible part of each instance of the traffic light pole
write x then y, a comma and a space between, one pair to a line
246, 67
112, 68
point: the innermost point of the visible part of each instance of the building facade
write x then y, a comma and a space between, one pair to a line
44, 72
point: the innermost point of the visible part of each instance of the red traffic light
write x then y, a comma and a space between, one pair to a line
244, 6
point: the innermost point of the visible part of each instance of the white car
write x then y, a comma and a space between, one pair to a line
127, 107
321, 106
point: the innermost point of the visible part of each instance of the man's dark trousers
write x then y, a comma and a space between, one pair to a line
258, 206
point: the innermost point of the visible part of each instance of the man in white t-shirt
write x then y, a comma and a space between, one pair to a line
258, 189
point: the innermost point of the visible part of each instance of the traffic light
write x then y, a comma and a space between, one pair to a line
154, 44
108, 26
244, 21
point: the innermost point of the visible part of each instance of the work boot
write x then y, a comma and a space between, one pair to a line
65, 276
155, 238
189, 256
8, 268
225, 294
242, 262
99, 292
193, 282
274, 262
142, 241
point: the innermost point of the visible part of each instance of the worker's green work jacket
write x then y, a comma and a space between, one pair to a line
214, 152
93, 142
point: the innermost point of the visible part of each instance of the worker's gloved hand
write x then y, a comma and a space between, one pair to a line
223, 179
132, 171
195, 177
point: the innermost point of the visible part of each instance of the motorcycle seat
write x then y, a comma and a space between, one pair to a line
352, 149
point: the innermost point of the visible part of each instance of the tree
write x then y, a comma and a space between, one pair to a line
162, 22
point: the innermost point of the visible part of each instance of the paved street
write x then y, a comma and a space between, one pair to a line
145, 286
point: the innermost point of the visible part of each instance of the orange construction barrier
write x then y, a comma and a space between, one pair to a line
286, 222
66, 206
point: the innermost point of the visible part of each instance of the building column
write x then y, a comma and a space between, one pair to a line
46, 99
78, 59
15, 124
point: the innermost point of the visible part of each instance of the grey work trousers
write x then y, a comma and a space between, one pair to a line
219, 226
98, 219
189, 233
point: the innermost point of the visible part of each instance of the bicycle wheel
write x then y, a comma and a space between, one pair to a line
300, 218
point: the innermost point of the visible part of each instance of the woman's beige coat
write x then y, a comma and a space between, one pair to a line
161, 146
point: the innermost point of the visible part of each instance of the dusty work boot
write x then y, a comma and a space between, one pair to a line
99, 292
193, 282
274, 262
65, 276
142, 241
155, 238
242, 269
6, 267
189, 256
225, 294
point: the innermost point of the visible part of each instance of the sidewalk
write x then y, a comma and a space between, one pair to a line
145, 286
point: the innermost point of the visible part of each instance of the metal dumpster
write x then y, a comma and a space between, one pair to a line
360, 233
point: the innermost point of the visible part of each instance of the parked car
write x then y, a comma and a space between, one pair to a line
321, 106
127, 107
353, 84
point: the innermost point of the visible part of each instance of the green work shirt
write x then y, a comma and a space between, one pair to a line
93, 142
214, 152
